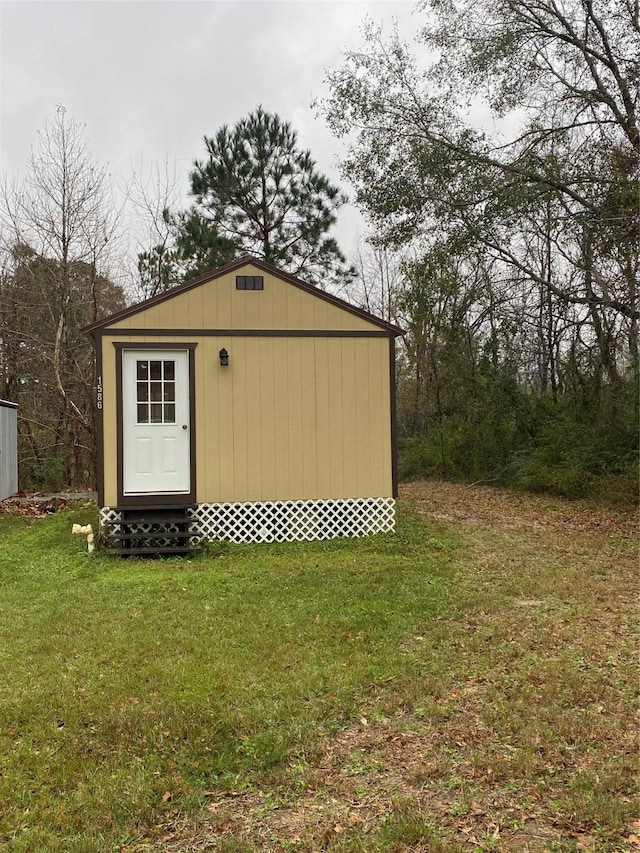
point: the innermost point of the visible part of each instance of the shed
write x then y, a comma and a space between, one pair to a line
245, 405
8, 449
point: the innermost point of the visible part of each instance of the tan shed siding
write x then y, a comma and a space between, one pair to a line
282, 437
217, 392
218, 305
251, 413
335, 439
240, 422
307, 432
264, 415
291, 303
290, 418
195, 308
208, 435
319, 401
362, 435
350, 412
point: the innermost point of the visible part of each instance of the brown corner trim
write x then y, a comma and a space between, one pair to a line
394, 424
99, 419
187, 499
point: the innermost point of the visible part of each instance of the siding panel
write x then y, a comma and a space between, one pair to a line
8, 450
266, 423
239, 366
294, 419
349, 413
253, 413
282, 438
323, 421
363, 423
335, 379
290, 418
308, 411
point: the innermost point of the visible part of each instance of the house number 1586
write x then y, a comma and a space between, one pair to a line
99, 393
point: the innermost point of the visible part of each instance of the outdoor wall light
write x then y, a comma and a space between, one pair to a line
224, 358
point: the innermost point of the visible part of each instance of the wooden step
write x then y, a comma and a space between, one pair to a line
126, 541
156, 518
156, 534
153, 536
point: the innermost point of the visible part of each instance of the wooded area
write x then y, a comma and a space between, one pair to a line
497, 163
57, 231
510, 256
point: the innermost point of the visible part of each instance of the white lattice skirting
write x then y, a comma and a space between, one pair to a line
286, 521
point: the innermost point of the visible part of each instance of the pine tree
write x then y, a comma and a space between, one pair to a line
257, 189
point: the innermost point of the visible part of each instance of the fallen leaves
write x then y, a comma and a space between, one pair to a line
35, 505
482, 506
505, 741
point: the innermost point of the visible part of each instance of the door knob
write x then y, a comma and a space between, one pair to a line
184, 426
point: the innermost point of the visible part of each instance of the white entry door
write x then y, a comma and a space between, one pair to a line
156, 428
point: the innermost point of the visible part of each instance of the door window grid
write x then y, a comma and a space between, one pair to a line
156, 391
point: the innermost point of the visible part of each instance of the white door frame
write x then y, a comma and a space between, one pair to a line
129, 491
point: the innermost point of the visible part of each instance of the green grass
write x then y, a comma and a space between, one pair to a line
466, 684
128, 689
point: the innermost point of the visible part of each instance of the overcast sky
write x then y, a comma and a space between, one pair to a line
149, 79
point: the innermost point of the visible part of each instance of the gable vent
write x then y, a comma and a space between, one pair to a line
249, 282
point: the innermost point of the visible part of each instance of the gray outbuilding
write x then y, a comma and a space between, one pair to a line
8, 449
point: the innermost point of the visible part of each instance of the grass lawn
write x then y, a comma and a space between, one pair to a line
465, 684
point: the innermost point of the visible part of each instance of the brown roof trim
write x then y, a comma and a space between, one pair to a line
179, 332
230, 267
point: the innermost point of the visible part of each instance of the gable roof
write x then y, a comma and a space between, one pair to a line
231, 267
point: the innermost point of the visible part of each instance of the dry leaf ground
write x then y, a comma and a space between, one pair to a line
520, 733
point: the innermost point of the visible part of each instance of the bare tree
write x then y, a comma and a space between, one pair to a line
154, 194
59, 230
380, 281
